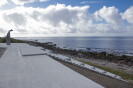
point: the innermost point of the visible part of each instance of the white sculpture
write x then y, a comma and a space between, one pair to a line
8, 40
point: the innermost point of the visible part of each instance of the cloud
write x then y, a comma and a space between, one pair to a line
53, 19
22, 2
128, 15
43, 0
64, 14
90, 2
16, 18
3, 2
109, 14
61, 20
2, 30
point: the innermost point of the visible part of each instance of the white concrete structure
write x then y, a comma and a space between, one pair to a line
40, 71
8, 40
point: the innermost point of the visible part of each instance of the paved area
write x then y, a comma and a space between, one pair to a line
18, 70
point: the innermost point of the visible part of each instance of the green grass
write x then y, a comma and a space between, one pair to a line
124, 75
3, 40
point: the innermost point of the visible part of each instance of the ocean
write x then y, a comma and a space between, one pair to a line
115, 45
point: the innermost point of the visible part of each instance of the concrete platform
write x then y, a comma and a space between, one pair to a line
38, 71
27, 50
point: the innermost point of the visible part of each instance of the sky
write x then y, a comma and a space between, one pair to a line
69, 18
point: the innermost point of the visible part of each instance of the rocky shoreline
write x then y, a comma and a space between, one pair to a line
126, 60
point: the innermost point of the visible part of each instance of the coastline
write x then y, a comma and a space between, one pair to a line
121, 63
124, 59
110, 82
103, 60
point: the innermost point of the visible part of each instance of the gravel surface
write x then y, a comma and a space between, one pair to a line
2, 50
117, 66
105, 81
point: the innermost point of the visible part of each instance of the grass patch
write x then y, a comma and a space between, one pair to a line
124, 75
3, 40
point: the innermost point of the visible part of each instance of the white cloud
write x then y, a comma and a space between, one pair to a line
16, 18
53, 19
128, 15
43, 0
3, 2
59, 20
1, 30
22, 2
88, 2
60, 13
109, 14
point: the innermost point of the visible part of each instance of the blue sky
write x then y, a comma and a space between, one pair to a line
36, 18
122, 5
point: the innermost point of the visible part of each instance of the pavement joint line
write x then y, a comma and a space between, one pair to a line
33, 54
20, 50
